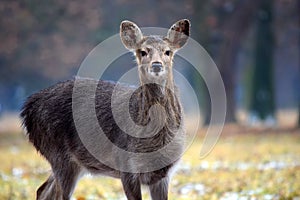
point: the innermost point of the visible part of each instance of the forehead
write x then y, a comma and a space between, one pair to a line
154, 41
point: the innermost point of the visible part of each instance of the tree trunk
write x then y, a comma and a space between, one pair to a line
234, 29
202, 37
231, 29
299, 67
262, 98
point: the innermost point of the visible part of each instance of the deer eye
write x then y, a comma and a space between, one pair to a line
168, 53
143, 53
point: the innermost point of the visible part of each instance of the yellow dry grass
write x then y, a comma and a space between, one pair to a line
246, 163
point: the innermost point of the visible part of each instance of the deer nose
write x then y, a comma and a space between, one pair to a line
156, 66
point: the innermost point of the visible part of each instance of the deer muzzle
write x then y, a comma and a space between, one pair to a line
156, 67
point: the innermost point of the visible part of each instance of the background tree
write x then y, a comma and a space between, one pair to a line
45, 42
202, 22
224, 25
262, 98
234, 21
299, 66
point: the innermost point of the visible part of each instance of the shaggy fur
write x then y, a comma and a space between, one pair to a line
48, 118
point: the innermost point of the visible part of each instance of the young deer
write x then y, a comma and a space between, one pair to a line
49, 120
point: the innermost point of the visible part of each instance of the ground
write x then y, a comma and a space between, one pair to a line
245, 164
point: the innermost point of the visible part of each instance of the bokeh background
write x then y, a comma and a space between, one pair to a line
255, 44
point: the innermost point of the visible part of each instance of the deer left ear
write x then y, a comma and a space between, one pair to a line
179, 33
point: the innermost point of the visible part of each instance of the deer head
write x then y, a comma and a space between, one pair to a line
154, 54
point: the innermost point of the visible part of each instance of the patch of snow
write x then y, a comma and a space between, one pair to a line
183, 167
200, 189
14, 150
4, 177
204, 165
268, 197
230, 196
17, 172
273, 165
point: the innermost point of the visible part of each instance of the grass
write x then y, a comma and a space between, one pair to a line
245, 164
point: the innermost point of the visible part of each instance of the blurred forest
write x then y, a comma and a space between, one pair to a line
255, 45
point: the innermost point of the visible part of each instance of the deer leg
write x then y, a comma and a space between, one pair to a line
48, 190
61, 183
67, 175
159, 190
131, 186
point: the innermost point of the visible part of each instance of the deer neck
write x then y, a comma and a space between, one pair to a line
164, 95
152, 93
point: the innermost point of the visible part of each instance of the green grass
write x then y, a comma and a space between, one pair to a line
252, 165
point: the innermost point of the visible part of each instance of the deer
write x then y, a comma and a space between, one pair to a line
48, 120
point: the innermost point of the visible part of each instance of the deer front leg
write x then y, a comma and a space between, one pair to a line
60, 184
131, 186
159, 190
49, 190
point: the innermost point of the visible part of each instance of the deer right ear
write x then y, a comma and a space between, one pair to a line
130, 34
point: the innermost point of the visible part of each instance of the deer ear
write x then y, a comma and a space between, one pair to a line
179, 33
130, 34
